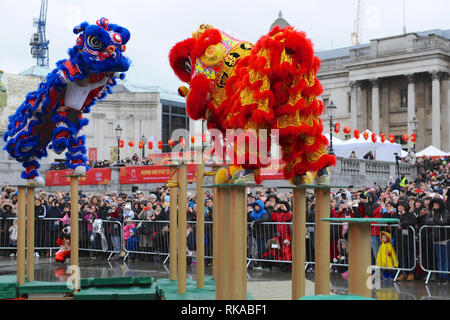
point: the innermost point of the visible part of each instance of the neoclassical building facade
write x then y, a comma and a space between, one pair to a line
382, 85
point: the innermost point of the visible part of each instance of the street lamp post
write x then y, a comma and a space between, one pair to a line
331, 112
414, 122
118, 135
144, 140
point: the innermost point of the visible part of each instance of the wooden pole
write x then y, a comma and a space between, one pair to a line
215, 233
30, 233
322, 242
359, 259
237, 229
21, 204
173, 185
200, 268
220, 255
298, 243
74, 238
182, 212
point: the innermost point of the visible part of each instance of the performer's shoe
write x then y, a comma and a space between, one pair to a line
80, 171
323, 178
300, 180
243, 177
37, 181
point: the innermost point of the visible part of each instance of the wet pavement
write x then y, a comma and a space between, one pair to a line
262, 284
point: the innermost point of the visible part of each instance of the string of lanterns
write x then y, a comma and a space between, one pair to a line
357, 134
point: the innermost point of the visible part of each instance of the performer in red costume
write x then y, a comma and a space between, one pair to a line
64, 245
270, 85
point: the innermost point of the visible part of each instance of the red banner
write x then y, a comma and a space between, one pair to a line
151, 174
274, 171
95, 176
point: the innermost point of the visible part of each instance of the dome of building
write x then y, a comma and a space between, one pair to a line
281, 22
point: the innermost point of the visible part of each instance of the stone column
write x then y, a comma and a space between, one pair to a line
411, 104
411, 100
375, 106
436, 109
354, 104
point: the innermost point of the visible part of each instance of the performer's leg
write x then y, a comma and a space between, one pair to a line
252, 152
76, 156
63, 130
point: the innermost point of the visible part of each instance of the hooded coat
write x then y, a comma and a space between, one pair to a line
260, 215
438, 217
386, 257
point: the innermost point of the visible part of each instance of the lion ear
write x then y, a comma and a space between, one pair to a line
80, 27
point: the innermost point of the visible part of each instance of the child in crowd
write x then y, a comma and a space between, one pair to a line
387, 257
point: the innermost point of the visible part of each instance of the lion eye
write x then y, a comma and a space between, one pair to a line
94, 42
187, 65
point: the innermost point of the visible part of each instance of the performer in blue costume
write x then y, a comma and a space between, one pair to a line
52, 116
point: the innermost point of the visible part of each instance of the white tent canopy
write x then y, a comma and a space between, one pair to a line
336, 140
432, 151
381, 151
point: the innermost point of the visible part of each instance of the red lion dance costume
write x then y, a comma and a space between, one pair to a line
271, 85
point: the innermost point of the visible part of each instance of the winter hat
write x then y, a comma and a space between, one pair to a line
152, 196
128, 206
273, 195
404, 204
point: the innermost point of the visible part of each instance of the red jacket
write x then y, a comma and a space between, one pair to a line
283, 231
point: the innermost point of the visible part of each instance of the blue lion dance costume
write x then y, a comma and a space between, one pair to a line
53, 114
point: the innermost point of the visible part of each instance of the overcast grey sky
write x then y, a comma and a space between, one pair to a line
156, 25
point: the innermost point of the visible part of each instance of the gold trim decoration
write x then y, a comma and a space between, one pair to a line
315, 156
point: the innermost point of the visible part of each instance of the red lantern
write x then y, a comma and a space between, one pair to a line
391, 138
141, 144
171, 143
356, 133
413, 137
182, 142
337, 127
204, 137
383, 137
347, 130
150, 145
121, 143
131, 143
366, 135
160, 145
405, 137
192, 139
374, 137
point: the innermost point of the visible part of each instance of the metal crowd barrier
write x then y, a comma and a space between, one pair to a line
101, 236
267, 243
434, 250
152, 238
106, 237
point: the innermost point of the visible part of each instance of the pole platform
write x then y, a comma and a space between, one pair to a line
359, 252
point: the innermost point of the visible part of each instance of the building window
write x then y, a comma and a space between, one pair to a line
326, 102
404, 98
173, 118
347, 137
349, 103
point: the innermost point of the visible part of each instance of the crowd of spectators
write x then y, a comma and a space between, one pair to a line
134, 161
423, 201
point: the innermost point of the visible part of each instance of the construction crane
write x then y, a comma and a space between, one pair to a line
356, 34
39, 42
